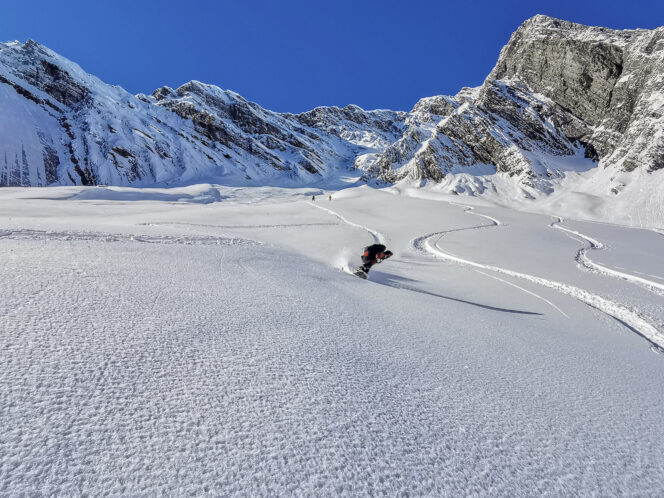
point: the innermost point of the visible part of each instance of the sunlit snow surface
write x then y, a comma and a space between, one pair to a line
206, 340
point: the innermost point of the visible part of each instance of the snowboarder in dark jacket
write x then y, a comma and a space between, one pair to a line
372, 255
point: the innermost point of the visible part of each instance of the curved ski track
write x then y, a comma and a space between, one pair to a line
586, 263
378, 237
620, 312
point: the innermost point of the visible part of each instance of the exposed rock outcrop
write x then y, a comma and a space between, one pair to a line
558, 89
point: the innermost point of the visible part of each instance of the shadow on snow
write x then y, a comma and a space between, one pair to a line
395, 281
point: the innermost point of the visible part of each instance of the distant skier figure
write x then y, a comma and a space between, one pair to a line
330, 197
372, 255
313, 197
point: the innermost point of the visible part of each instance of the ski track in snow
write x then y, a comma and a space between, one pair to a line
624, 314
620, 312
27, 234
283, 225
587, 264
526, 291
378, 237
494, 223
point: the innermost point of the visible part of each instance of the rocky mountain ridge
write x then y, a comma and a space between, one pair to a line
64, 126
558, 89
563, 98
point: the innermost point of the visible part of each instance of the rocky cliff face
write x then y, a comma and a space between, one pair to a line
562, 98
558, 90
612, 81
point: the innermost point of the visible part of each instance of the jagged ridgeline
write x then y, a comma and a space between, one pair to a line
74, 129
562, 98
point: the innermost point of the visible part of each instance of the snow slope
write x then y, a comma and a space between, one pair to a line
154, 342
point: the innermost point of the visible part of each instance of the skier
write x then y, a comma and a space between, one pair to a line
372, 255
313, 197
330, 197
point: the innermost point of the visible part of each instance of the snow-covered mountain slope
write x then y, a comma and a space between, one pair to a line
569, 112
73, 129
310, 146
60, 125
500, 125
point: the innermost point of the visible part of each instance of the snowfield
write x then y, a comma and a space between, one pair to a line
208, 340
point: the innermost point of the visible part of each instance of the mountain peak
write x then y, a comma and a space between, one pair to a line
543, 19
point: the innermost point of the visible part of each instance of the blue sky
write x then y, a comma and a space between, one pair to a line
296, 55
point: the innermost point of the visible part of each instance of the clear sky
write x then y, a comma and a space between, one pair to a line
295, 55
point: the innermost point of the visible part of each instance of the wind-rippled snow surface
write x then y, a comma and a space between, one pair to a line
229, 355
